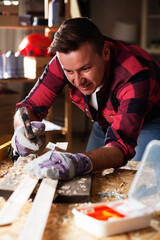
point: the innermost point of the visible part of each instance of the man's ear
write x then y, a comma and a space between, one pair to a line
106, 52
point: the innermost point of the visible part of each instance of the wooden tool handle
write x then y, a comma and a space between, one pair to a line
27, 124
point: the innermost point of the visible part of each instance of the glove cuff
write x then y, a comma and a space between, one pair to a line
82, 164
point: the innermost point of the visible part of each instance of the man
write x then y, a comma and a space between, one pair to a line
114, 83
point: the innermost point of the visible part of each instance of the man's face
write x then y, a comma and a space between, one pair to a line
84, 68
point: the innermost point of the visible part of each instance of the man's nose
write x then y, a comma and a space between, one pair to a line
77, 78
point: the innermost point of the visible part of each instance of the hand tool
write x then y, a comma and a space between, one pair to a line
27, 124
28, 130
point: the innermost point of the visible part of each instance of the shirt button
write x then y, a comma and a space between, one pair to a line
86, 110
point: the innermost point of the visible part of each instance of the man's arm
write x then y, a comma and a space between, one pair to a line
65, 166
106, 157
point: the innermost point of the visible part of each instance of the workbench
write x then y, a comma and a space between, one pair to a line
107, 185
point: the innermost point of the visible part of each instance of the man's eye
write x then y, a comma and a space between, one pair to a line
86, 68
68, 71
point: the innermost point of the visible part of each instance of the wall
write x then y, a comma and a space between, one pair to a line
105, 13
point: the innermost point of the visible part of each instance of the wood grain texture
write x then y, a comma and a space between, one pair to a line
39, 212
21, 187
15, 175
77, 190
15, 203
38, 215
4, 149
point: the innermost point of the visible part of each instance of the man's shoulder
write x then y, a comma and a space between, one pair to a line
55, 67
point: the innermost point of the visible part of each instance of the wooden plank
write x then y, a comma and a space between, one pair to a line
4, 149
39, 212
15, 175
5, 138
11, 181
77, 190
72, 191
11, 209
13, 206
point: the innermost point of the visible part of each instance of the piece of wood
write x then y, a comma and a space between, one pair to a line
39, 212
4, 149
61, 225
5, 138
14, 176
77, 190
13, 206
26, 185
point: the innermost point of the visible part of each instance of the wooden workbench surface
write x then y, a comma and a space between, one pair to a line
60, 225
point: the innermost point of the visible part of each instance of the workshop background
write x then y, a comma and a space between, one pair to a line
135, 21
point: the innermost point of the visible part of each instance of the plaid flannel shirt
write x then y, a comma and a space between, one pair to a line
129, 97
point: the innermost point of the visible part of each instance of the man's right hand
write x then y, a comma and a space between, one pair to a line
25, 146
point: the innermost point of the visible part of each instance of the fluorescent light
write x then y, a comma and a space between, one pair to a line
7, 2
15, 2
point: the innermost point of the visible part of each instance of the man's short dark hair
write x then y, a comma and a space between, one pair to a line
74, 32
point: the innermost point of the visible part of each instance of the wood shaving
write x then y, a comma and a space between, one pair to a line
60, 224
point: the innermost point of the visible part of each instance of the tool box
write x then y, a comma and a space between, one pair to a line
34, 66
115, 217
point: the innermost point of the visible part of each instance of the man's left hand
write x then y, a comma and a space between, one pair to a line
58, 165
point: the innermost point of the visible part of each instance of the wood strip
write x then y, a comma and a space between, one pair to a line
73, 191
13, 206
4, 149
5, 138
39, 212
25, 187
11, 181
15, 175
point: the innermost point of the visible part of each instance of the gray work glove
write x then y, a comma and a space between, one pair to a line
26, 146
58, 165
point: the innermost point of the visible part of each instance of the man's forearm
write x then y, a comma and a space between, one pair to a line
106, 157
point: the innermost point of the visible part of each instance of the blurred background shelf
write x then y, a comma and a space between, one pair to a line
48, 31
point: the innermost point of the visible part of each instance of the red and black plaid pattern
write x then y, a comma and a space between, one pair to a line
129, 98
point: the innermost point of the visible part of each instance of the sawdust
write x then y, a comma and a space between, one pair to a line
5, 166
60, 224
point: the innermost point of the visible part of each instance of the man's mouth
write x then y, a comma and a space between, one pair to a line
85, 86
